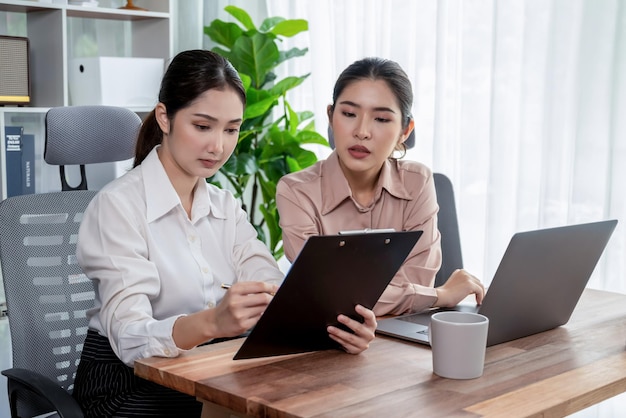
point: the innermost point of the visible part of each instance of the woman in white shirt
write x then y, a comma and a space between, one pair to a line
160, 242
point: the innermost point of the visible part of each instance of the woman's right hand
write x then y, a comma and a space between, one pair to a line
239, 310
459, 285
242, 306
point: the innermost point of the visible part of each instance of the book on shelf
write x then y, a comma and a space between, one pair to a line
13, 155
20, 161
28, 163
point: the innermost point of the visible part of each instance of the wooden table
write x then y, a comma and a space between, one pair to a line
551, 374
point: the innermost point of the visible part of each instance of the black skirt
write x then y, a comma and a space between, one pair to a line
106, 387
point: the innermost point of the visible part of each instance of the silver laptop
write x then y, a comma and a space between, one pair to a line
536, 286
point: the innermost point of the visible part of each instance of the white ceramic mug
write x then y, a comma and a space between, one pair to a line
458, 341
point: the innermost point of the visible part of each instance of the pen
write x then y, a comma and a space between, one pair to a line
228, 285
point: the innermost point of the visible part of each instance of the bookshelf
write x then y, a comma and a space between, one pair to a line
56, 33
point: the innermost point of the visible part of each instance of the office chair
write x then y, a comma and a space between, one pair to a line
448, 225
47, 295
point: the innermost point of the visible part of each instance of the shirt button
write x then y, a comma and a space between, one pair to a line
205, 270
211, 305
192, 238
167, 352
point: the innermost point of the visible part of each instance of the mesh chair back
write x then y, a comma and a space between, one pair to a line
447, 222
90, 134
47, 293
80, 135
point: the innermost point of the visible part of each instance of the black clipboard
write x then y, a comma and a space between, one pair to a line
331, 275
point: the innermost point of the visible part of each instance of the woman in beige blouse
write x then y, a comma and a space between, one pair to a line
361, 185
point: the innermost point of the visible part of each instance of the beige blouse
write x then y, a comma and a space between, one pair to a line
318, 201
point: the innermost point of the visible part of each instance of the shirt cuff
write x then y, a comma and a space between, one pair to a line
161, 341
427, 297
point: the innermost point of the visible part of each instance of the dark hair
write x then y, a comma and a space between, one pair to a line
188, 75
379, 69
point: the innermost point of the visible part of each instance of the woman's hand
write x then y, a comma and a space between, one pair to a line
239, 310
459, 285
242, 306
364, 332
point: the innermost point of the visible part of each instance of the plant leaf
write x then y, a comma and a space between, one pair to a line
271, 221
246, 81
306, 158
290, 27
305, 115
242, 16
241, 164
255, 56
259, 108
294, 120
293, 165
223, 52
269, 23
311, 137
223, 33
292, 53
286, 84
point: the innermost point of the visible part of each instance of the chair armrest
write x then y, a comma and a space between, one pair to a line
23, 380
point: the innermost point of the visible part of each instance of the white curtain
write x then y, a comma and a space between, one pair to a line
520, 102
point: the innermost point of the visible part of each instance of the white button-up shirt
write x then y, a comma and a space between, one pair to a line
151, 264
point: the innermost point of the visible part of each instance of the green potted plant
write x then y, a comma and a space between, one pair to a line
273, 134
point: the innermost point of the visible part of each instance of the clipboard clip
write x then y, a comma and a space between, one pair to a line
366, 231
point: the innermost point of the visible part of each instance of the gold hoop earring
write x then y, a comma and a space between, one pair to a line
400, 148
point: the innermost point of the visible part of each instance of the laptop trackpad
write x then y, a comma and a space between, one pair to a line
412, 327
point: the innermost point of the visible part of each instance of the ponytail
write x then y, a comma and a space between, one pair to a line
150, 135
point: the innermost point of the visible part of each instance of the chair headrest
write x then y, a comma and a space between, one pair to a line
90, 134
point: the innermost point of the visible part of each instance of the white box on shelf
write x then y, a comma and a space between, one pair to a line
115, 81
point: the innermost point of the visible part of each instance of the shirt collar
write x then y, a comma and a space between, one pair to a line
335, 187
391, 179
161, 197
